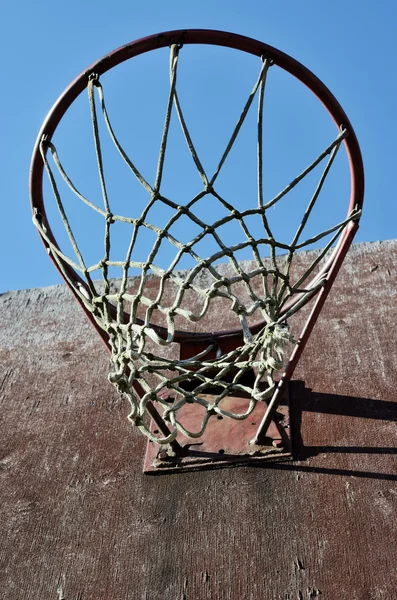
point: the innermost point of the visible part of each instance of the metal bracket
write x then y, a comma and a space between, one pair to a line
225, 442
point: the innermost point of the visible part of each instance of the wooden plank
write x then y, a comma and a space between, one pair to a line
80, 521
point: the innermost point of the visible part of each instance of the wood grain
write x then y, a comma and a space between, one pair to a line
79, 520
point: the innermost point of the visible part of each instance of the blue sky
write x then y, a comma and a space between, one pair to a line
351, 46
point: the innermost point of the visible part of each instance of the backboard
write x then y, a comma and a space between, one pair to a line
81, 521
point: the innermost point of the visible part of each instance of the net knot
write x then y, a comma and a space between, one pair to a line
223, 281
269, 301
119, 380
166, 415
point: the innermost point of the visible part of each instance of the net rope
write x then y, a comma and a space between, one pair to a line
144, 375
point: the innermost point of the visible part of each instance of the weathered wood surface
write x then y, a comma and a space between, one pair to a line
79, 520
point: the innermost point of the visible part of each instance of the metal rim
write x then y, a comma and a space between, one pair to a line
209, 37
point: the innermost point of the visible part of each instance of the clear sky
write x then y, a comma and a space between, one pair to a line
351, 45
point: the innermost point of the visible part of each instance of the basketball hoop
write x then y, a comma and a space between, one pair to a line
224, 398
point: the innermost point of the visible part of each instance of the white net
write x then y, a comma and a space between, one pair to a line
142, 323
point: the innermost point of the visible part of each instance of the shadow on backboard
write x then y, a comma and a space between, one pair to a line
305, 400
350, 415
331, 471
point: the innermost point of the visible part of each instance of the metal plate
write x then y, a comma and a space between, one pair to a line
225, 441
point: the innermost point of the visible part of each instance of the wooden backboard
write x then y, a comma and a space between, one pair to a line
80, 521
